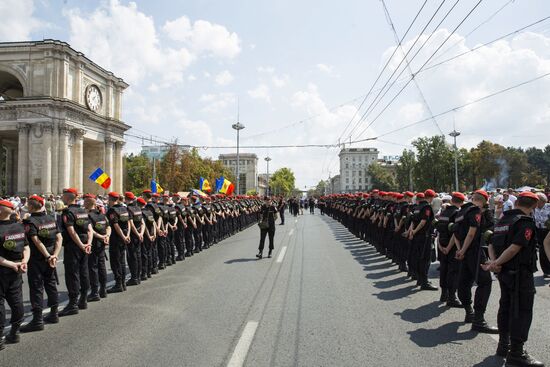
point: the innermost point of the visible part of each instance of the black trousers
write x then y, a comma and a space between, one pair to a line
469, 267
117, 258
77, 277
543, 259
133, 256
424, 247
161, 250
154, 254
515, 312
41, 277
263, 233
282, 215
312, 209
179, 240
197, 237
11, 290
188, 234
448, 271
97, 268
146, 257
170, 246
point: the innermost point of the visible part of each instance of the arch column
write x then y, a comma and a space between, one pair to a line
78, 159
118, 174
63, 158
23, 159
47, 132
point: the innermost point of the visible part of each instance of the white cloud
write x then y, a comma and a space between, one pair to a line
191, 78
260, 92
217, 102
224, 78
18, 21
325, 68
265, 69
280, 81
204, 37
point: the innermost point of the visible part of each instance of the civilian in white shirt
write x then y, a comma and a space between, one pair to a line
508, 204
542, 220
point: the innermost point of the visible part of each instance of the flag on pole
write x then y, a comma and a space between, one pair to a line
204, 185
156, 188
101, 178
219, 183
225, 186
230, 190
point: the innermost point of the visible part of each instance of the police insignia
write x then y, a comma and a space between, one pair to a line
528, 234
10, 245
43, 233
478, 218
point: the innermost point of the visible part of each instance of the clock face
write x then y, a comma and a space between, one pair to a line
93, 98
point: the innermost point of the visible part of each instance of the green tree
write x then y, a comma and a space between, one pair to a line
382, 178
252, 192
435, 162
405, 169
139, 170
282, 181
539, 159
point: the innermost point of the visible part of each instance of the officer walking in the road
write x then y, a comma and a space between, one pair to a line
45, 244
14, 255
77, 241
120, 238
267, 226
513, 254
281, 208
96, 261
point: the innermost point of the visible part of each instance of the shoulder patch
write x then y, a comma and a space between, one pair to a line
528, 234
478, 217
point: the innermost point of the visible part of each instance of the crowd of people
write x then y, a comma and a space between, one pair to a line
472, 235
146, 233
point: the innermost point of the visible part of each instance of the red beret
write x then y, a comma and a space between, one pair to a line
70, 190
483, 193
114, 195
399, 196
430, 193
89, 196
6, 203
459, 196
129, 195
176, 195
40, 199
409, 194
420, 195
529, 194
165, 195
142, 201
147, 191
156, 195
375, 191
382, 193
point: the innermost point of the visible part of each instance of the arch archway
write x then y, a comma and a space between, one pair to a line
11, 84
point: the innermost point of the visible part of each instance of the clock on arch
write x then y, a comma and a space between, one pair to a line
93, 97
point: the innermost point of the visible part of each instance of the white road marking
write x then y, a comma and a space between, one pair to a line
495, 337
281, 255
241, 350
295, 220
291, 232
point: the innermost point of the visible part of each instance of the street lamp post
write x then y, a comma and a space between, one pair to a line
267, 159
238, 126
454, 134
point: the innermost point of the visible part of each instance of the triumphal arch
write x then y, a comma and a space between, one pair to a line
60, 119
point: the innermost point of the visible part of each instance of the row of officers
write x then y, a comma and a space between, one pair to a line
150, 233
469, 245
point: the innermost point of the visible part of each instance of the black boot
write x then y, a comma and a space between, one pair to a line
2, 342
452, 301
117, 288
53, 316
503, 345
427, 286
259, 255
70, 309
469, 314
102, 292
269, 254
94, 297
132, 282
13, 336
36, 324
83, 302
444, 295
518, 357
480, 325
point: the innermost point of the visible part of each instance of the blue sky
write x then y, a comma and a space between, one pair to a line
285, 61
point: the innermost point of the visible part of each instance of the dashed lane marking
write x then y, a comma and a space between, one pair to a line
241, 350
281, 255
291, 232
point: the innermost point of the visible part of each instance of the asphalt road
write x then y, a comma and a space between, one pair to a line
324, 299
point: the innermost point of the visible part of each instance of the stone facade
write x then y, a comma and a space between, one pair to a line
248, 169
354, 164
59, 119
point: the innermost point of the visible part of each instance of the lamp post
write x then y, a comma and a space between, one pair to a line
267, 159
454, 134
238, 126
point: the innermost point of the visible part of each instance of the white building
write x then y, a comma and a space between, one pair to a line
335, 186
248, 170
354, 164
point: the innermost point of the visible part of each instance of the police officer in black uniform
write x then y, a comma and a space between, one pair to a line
45, 243
149, 238
152, 205
77, 241
513, 257
171, 227
470, 224
179, 236
119, 219
448, 268
14, 255
137, 230
162, 240
96, 261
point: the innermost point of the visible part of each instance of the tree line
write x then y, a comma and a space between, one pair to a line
489, 165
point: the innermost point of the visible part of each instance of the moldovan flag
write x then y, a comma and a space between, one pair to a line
204, 185
227, 187
155, 187
219, 183
101, 178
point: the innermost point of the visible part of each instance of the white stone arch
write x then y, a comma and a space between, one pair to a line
18, 75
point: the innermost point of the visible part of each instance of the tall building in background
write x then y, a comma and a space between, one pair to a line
354, 165
158, 151
248, 170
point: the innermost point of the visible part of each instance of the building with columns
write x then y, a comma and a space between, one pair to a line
60, 119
